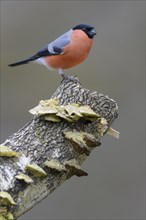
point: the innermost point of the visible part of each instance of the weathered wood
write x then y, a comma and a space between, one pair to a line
41, 140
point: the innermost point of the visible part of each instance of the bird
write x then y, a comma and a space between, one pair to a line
68, 50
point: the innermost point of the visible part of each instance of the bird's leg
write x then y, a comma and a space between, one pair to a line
65, 76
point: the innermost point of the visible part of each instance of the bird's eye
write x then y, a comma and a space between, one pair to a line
89, 29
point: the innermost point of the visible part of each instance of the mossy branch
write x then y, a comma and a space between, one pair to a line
51, 148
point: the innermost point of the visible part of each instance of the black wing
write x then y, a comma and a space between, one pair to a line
45, 52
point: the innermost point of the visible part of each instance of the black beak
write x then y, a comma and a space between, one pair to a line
93, 32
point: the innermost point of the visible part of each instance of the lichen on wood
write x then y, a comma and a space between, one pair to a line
82, 142
55, 165
5, 214
52, 111
7, 152
74, 168
86, 115
35, 170
24, 178
6, 199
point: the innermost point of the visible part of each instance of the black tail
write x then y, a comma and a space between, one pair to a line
23, 61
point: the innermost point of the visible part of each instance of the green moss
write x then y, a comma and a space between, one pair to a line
4, 215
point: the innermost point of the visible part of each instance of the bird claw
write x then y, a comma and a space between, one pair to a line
67, 77
71, 78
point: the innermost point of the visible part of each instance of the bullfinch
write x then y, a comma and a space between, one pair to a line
66, 51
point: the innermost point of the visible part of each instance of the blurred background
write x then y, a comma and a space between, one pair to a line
114, 188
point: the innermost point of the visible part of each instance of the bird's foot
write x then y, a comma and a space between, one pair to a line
65, 76
71, 78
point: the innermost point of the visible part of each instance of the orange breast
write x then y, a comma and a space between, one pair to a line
74, 53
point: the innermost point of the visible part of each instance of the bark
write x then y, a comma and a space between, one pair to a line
41, 140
